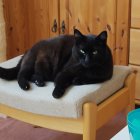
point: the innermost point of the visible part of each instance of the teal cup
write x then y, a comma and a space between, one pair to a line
133, 121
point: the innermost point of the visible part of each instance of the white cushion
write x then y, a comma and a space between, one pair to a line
39, 100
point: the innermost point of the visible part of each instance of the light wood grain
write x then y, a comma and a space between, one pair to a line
2, 34
134, 56
122, 32
137, 90
78, 15
26, 23
53, 13
94, 16
56, 123
64, 15
15, 27
30, 21
37, 20
90, 121
110, 107
131, 85
1, 12
135, 14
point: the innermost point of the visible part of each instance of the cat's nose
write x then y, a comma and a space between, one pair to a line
87, 59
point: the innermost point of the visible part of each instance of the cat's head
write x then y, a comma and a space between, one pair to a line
90, 49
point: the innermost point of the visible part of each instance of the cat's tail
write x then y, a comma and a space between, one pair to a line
10, 73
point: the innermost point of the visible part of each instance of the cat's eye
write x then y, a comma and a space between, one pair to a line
82, 52
95, 52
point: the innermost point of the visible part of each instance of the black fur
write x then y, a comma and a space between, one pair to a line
66, 60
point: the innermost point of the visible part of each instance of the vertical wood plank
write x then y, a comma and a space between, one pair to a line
135, 14
2, 34
130, 83
53, 15
122, 32
27, 22
79, 15
64, 16
137, 88
15, 26
134, 54
38, 21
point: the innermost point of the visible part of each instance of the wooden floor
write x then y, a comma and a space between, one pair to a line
11, 129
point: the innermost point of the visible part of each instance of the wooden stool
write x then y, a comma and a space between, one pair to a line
82, 110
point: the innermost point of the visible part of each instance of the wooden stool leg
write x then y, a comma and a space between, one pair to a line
90, 114
130, 83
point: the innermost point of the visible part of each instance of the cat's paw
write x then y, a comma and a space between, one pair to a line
38, 80
40, 83
24, 84
58, 92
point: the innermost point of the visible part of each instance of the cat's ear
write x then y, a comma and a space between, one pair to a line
102, 36
78, 34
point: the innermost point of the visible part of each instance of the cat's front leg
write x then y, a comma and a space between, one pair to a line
62, 82
64, 79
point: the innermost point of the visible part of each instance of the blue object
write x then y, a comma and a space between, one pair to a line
133, 121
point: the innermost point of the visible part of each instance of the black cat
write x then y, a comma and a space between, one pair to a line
67, 60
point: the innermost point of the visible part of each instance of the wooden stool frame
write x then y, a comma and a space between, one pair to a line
94, 116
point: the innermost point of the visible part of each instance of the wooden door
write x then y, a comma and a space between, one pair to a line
94, 16
28, 21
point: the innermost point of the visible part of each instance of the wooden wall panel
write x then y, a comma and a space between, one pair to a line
37, 18
64, 16
135, 14
53, 15
78, 15
28, 21
122, 32
16, 26
137, 90
2, 34
94, 16
134, 55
